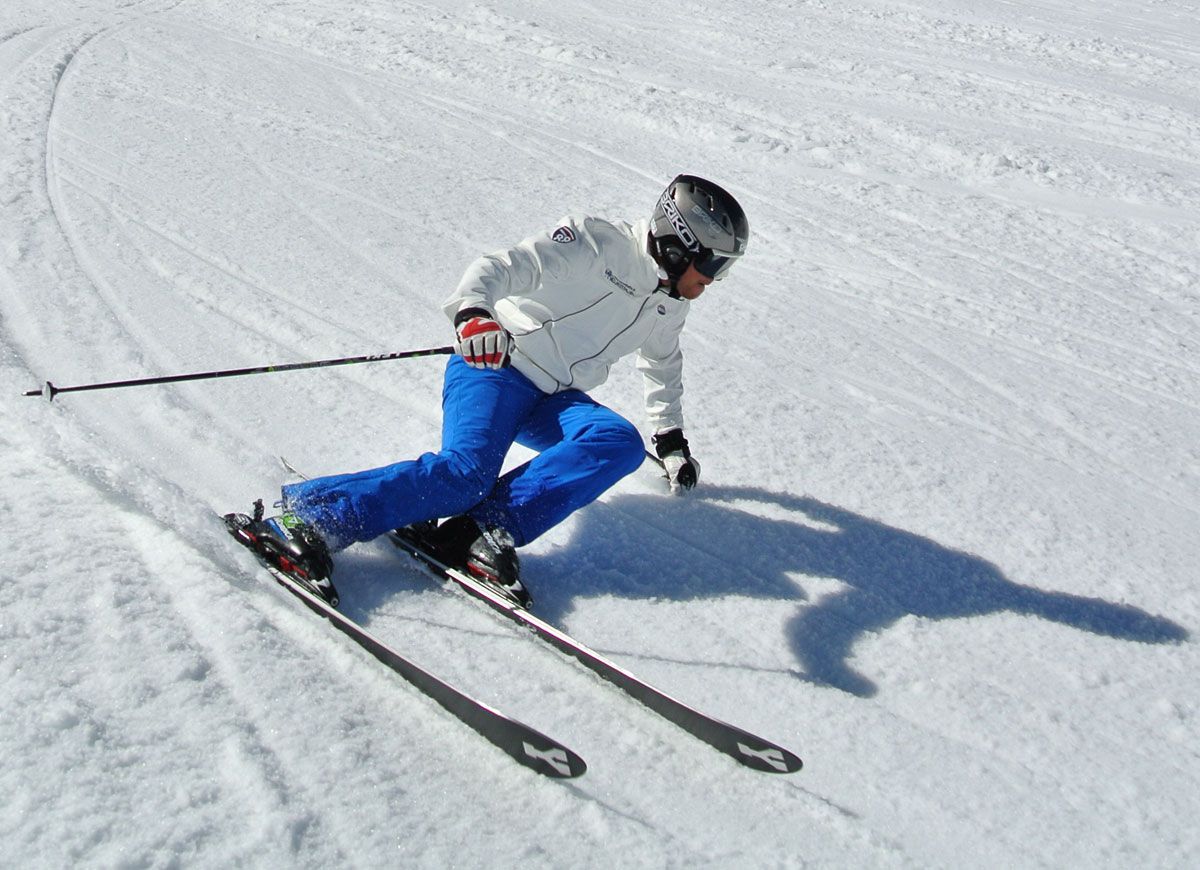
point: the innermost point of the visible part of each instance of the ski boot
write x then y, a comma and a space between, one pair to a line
289, 545
489, 555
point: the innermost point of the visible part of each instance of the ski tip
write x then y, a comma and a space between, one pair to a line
551, 759
768, 758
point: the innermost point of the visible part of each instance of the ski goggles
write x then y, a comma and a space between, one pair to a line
712, 264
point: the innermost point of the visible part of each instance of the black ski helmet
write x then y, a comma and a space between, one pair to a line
697, 223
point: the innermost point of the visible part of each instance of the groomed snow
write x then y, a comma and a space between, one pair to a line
948, 411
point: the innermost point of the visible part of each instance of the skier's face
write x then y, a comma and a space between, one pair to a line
691, 283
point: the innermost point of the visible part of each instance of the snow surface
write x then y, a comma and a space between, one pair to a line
948, 410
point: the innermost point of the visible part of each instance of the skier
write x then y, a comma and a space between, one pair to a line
537, 326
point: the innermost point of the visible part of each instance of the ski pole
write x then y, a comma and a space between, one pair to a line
53, 391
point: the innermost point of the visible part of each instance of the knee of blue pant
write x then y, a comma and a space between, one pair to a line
635, 452
627, 449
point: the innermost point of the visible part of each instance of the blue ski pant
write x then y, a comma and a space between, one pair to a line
584, 448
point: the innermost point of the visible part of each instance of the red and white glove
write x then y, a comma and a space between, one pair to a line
683, 470
482, 342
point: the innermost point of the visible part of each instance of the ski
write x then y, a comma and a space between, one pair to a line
525, 744
744, 747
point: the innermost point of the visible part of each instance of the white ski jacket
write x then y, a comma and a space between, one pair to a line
578, 298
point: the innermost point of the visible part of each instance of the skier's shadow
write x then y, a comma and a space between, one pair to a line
707, 546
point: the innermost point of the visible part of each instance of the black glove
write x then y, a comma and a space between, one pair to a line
683, 470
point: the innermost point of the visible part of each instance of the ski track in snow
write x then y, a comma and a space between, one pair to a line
947, 410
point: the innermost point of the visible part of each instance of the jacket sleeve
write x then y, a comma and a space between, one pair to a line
517, 271
660, 360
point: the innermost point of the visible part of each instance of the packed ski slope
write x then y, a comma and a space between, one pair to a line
948, 411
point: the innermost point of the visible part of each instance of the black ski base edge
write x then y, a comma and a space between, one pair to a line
523, 743
746, 748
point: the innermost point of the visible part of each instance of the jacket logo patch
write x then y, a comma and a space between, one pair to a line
563, 235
